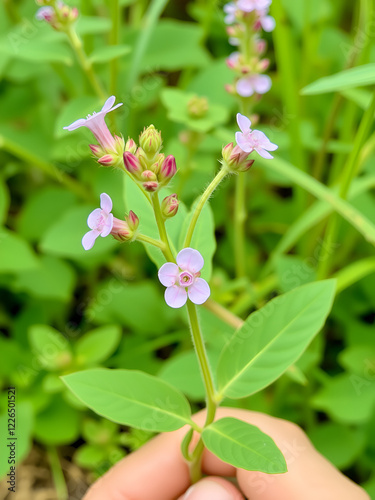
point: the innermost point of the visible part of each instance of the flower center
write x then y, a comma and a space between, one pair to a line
101, 222
185, 278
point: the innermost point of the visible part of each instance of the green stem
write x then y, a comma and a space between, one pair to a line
151, 241
115, 38
85, 63
57, 474
195, 467
12, 11
223, 172
161, 227
349, 173
239, 225
223, 313
48, 168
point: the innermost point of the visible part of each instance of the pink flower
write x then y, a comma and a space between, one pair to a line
100, 221
250, 5
45, 14
268, 23
97, 125
253, 140
230, 11
233, 60
251, 84
182, 279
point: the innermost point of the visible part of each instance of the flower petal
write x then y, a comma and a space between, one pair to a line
77, 124
175, 296
262, 140
92, 219
245, 88
105, 203
268, 23
190, 260
263, 153
199, 291
89, 238
262, 84
243, 122
108, 104
243, 143
168, 274
107, 226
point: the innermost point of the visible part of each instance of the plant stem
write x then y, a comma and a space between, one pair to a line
223, 172
349, 173
57, 474
223, 313
239, 225
115, 38
195, 467
161, 227
85, 62
150, 241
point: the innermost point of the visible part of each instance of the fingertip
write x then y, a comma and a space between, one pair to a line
213, 488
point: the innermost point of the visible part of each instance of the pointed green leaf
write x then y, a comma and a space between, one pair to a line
97, 345
354, 77
273, 338
108, 53
130, 397
244, 446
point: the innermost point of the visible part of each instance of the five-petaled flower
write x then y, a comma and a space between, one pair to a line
97, 125
251, 84
253, 140
100, 221
183, 279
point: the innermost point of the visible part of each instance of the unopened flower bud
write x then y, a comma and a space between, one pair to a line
151, 186
107, 160
131, 163
169, 206
168, 169
119, 145
148, 175
231, 89
120, 230
261, 46
263, 65
150, 141
132, 221
156, 166
141, 155
131, 146
97, 151
197, 107
236, 159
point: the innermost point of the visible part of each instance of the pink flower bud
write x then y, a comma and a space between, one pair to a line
150, 141
235, 158
261, 46
120, 230
263, 65
131, 163
169, 206
150, 186
107, 160
148, 175
168, 169
96, 150
119, 144
133, 221
131, 146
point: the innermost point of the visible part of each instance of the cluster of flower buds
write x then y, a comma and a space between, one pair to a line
198, 107
146, 164
59, 15
247, 18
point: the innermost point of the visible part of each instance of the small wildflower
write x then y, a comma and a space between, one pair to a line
183, 279
251, 5
230, 10
98, 127
251, 84
268, 23
253, 140
100, 221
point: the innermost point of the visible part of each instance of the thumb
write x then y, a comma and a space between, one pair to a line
212, 488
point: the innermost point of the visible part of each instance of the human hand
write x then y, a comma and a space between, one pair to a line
158, 471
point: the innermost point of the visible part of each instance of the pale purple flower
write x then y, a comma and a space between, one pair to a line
268, 23
97, 125
100, 221
182, 279
250, 5
233, 59
45, 14
252, 84
230, 11
234, 41
253, 140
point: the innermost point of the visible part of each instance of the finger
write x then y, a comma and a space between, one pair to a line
214, 488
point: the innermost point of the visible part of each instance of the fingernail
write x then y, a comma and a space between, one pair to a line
207, 490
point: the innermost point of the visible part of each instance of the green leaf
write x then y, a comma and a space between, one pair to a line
96, 346
273, 338
176, 101
174, 372
51, 347
360, 76
354, 272
131, 398
64, 237
36, 51
108, 53
90, 456
55, 279
244, 446
359, 359
91, 25
58, 424
347, 398
203, 238
16, 254
4, 200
